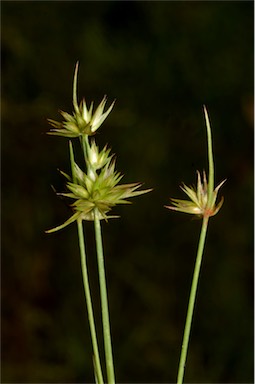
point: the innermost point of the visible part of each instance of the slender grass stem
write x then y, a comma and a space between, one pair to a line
85, 148
104, 301
97, 365
192, 301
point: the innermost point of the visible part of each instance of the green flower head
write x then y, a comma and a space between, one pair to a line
198, 203
97, 159
83, 121
98, 189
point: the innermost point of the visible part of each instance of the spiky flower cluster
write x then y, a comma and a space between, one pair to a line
198, 203
83, 121
97, 189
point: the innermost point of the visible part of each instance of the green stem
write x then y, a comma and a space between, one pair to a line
192, 301
85, 148
97, 364
104, 301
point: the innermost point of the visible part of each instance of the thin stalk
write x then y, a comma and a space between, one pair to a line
97, 365
98, 370
85, 148
104, 301
192, 301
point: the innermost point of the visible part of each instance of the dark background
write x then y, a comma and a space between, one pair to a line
161, 61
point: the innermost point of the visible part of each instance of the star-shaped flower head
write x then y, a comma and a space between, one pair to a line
202, 198
198, 203
83, 121
98, 189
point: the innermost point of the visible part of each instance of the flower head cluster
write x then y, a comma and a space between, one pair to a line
199, 203
83, 121
97, 189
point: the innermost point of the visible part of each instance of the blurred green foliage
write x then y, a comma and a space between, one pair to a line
162, 61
